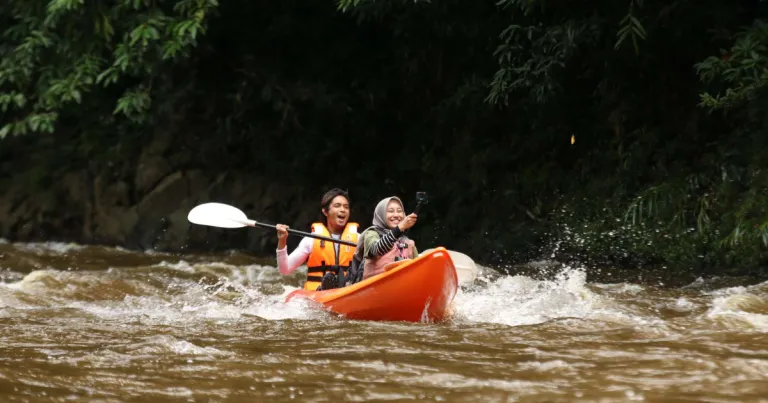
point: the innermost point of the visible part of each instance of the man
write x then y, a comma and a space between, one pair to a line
327, 262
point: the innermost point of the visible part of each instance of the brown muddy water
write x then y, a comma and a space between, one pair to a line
93, 324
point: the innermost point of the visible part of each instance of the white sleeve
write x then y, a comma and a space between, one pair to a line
287, 264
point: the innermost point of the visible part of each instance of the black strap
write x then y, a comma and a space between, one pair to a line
318, 269
341, 276
355, 273
325, 269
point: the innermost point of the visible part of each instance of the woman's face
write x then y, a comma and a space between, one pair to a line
395, 213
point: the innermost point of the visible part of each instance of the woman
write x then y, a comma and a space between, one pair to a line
327, 262
385, 242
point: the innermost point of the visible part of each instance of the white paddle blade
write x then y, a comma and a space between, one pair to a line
217, 215
466, 270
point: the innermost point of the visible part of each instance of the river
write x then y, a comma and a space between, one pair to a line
96, 324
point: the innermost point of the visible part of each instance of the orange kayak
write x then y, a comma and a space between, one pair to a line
417, 290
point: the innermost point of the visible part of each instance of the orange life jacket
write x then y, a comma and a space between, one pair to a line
324, 258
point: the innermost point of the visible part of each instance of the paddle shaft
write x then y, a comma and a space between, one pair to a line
302, 233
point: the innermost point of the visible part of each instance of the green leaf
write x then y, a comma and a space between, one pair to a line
638, 27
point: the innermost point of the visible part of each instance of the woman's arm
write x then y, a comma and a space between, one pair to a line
287, 264
376, 245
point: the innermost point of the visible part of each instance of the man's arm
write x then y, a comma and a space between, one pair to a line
286, 263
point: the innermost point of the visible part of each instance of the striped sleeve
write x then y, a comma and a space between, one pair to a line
382, 245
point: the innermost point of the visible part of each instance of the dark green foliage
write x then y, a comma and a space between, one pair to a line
475, 102
54, 53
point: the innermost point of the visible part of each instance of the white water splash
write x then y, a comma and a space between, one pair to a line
181, 265
743, 311
245, 291
45, 247
520, 300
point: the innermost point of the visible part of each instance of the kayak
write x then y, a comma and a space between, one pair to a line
417, 290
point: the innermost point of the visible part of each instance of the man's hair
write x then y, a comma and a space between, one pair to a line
325, 202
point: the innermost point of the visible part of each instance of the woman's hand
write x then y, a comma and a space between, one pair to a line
407, 222
282, 235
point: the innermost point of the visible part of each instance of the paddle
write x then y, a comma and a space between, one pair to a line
466, 270
226, 216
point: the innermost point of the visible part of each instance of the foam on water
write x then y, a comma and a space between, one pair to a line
520, 300
182, 291
45, 247
210, 327
740, 308
256, 291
